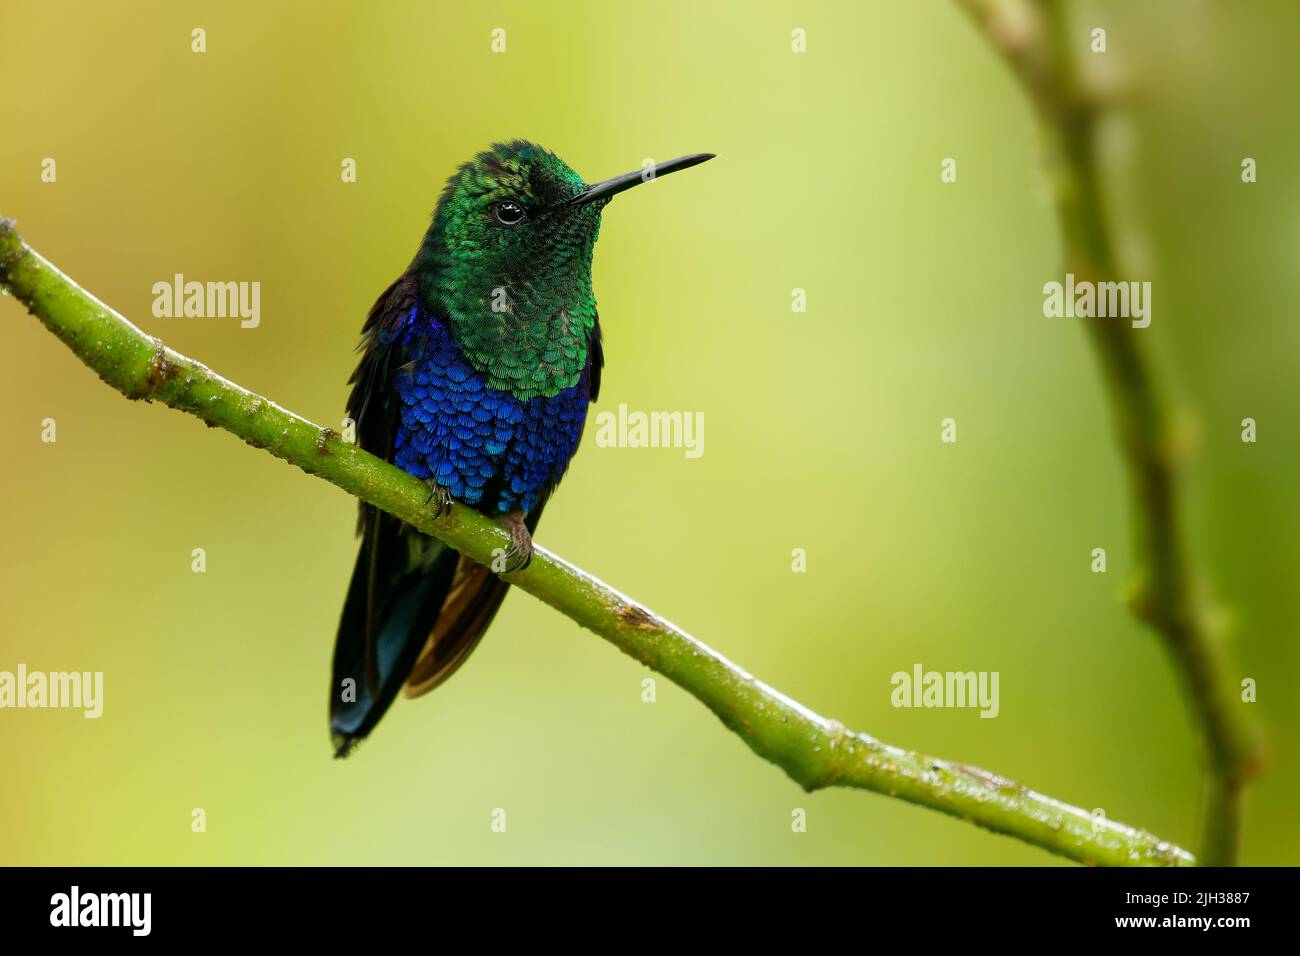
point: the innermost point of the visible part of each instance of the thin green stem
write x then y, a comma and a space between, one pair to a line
1036, 40
814, 751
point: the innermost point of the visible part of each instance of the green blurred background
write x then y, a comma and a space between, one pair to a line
822, 429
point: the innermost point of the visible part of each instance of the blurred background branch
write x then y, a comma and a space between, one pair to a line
814, 751
1038, 41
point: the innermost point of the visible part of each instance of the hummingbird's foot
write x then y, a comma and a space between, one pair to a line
440, 494
521, 542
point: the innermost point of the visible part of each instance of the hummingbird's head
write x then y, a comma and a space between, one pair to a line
507, 263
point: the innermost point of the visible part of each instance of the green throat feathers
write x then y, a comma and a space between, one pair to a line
507, 265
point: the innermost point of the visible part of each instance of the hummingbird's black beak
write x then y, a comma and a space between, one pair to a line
612, 187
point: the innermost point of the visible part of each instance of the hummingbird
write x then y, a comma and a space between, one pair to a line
477, 366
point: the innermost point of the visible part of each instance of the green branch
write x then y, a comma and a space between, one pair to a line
814, 751
1036, 40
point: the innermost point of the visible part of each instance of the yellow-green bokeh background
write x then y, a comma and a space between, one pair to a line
822, 429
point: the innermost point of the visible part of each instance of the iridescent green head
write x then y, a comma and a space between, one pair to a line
507, 263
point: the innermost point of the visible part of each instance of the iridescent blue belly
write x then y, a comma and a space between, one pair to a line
487, 447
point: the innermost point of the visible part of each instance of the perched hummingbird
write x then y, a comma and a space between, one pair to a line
476, 370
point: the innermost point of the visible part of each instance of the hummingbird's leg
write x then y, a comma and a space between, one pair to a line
442, 495
521, 542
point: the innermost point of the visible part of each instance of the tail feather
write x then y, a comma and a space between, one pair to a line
399, 584
415, 611
472, 602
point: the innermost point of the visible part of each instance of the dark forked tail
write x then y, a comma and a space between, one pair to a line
414, 612
398, 587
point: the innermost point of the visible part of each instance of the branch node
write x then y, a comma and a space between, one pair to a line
838, 746
634, 615
158, 371
16, 254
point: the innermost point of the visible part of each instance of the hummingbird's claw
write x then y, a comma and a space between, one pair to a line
443, 497
520, 554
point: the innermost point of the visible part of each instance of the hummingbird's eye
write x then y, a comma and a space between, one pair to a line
509, 213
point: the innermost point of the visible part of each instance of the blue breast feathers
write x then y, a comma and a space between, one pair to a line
487, 447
